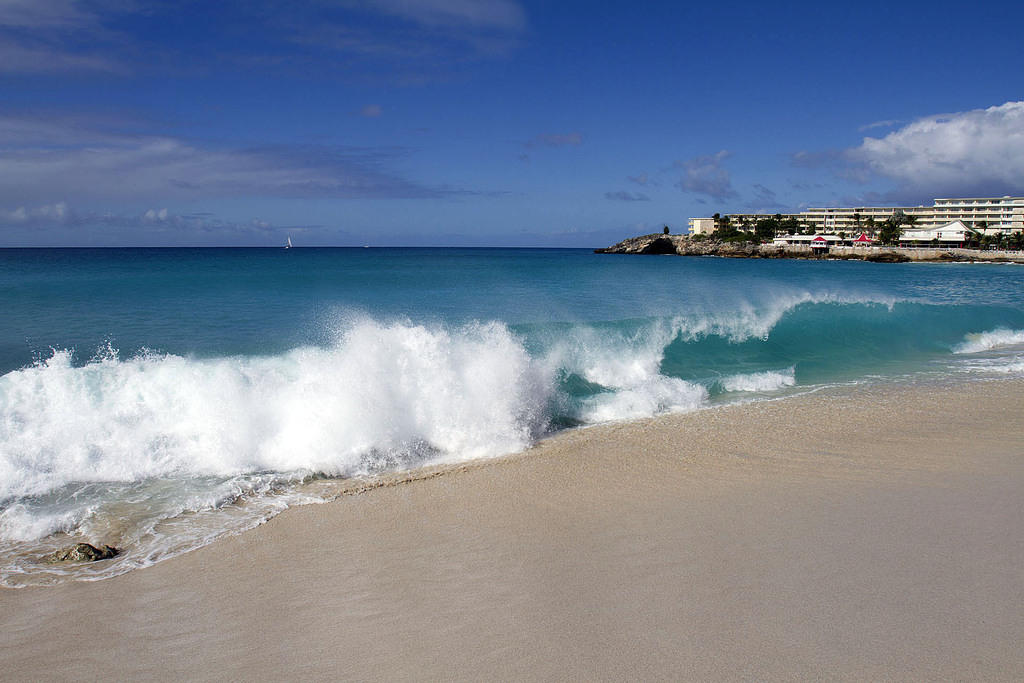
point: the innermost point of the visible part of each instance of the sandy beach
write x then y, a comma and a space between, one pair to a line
855, 533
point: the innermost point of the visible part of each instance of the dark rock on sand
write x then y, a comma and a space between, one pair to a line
81, 552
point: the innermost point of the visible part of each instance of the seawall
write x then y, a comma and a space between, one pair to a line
684, 246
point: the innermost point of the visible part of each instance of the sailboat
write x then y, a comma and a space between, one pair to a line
289, 245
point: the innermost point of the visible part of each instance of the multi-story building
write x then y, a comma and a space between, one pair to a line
986, 214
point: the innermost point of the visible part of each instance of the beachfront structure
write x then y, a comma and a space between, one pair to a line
950, 235
702, 226
989, 215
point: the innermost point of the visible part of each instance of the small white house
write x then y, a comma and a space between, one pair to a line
950, 235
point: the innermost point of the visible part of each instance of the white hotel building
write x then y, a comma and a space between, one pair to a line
986, 214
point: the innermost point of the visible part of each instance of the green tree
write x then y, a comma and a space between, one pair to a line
726, 229
765, 229
665, 231
891, 229
972, 238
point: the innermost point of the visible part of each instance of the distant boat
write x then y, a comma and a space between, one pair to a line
289, 245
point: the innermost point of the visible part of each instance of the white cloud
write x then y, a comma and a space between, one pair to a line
40, 159
981, 150
47, 213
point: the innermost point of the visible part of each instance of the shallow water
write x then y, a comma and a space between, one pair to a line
155, 399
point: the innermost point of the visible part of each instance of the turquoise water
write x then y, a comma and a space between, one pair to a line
153, 399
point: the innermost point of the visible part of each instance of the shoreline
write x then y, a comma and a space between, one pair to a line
682, 245
855, 531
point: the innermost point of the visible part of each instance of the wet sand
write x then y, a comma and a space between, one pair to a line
852, 533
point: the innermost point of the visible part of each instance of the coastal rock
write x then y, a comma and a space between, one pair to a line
81, 552
662, 245
683, 245
887, 257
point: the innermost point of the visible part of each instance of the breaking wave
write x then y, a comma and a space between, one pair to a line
161, 453
993, 339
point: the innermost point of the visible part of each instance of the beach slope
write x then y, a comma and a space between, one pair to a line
854, 532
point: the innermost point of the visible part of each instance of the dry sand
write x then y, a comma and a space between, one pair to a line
855, 533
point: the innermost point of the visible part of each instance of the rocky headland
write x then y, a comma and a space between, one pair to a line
683, 245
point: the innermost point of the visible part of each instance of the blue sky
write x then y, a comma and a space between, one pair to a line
489, 122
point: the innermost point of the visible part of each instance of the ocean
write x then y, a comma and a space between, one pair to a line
156, 399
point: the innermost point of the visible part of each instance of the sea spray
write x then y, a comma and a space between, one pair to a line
760, 381
993, 339
397, 393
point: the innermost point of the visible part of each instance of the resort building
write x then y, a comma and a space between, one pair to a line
989, 215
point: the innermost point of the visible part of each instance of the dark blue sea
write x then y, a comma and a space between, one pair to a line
154, 399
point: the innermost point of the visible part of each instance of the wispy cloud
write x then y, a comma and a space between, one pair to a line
764, 199
888, 123
40, 159
412, 40
46, 36
623, 196
573, 139
491, 14
59, 224
706, 175
60, 214
642, 179
23, 59
371, 111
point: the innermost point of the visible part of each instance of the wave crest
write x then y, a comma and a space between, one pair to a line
993, 339
395, 393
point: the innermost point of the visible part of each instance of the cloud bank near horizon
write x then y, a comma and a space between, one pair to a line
964, 153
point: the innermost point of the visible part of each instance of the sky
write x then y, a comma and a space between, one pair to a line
489, 122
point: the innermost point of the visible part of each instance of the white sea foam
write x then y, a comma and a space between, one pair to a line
760, 381
628, 365
396, 394
987, 341
19, 523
